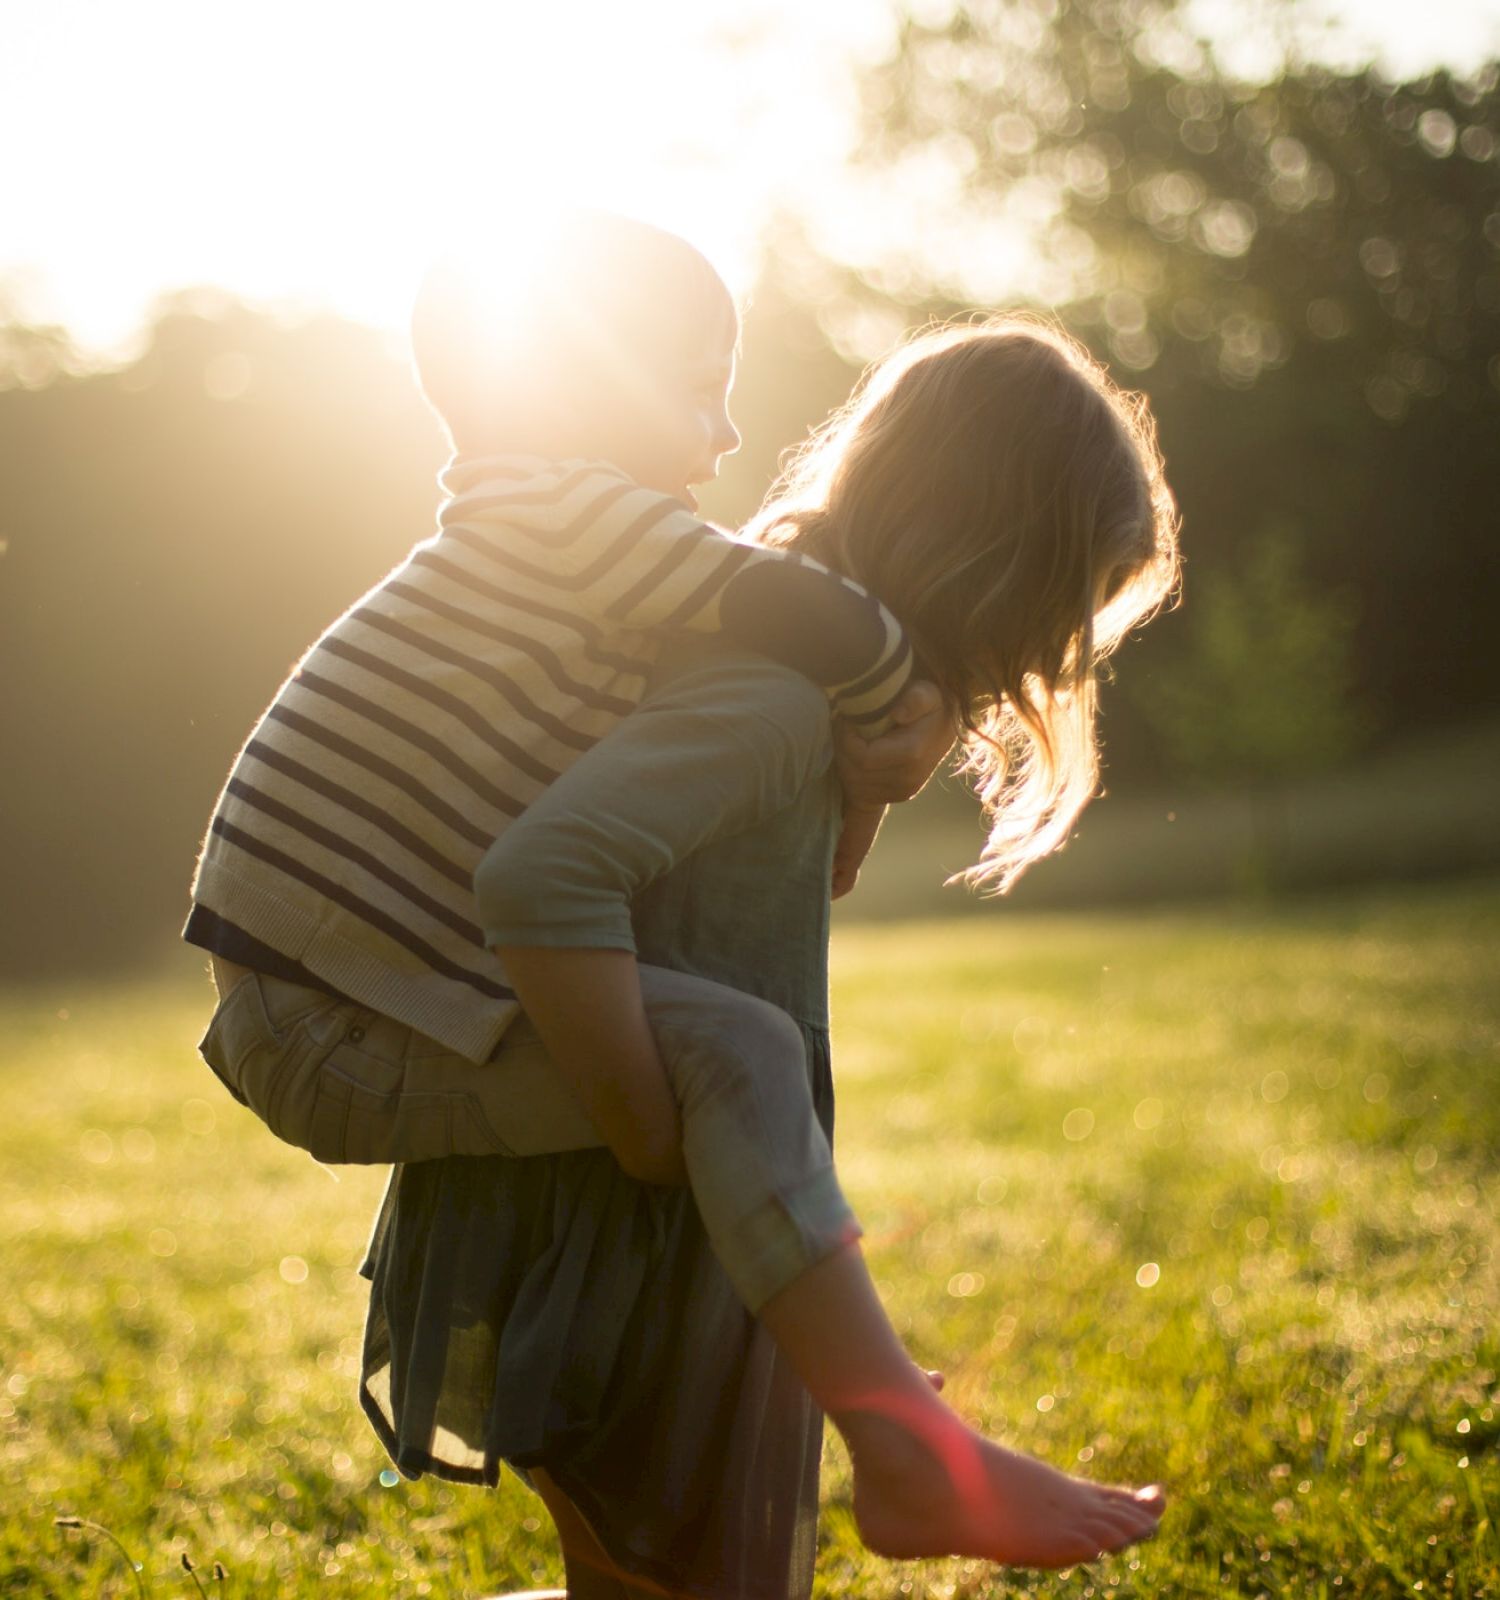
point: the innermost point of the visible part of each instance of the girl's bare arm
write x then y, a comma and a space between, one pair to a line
586, 1008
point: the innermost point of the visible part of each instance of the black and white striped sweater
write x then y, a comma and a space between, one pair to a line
446, 699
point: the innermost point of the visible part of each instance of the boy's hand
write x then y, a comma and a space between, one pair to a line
896, 764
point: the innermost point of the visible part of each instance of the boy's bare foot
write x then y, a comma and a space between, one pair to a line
927, 1485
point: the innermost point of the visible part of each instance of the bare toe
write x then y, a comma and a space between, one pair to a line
1114, 1536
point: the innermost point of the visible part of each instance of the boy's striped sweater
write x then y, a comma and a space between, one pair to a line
447, 698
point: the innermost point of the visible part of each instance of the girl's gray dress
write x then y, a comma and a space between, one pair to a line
550, 1311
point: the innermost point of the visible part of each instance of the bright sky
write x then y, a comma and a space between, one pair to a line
311, 151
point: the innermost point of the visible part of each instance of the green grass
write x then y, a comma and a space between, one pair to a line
1202, 1197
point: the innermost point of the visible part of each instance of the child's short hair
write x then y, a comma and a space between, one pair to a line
547, 341
1007, 501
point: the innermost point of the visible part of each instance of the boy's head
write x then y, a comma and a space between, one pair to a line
594, 336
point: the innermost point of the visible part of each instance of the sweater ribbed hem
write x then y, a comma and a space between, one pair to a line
455, 1015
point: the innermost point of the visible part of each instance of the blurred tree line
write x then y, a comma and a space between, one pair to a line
175, 534
1303, 274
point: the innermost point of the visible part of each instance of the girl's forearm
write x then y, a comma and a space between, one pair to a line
587, 1010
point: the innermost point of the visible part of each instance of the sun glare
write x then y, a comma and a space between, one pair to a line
323, 154
318, 155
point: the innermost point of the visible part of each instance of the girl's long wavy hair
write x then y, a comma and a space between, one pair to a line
1007, 500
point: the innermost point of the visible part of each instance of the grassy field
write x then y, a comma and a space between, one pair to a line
1202, 1197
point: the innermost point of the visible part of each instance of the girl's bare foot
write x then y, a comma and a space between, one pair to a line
927, 1485
924, 1483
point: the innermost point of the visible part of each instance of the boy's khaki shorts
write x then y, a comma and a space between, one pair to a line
350, 1085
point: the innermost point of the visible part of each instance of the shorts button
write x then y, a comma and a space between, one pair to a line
355, 1034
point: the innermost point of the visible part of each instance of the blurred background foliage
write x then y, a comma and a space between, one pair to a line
1303, 272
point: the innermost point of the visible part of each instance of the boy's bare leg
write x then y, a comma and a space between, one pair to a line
925, 1483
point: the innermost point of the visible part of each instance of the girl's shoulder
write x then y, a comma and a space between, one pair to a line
713, 678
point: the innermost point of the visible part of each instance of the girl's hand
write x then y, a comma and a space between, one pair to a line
861, 824
895, 765
891, 767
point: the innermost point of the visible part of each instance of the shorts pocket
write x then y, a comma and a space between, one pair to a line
240, 1042
365, 1110
335, 1079
272, 1068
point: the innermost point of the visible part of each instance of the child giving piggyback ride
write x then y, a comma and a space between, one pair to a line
419, 884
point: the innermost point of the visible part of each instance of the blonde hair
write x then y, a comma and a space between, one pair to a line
1007, 500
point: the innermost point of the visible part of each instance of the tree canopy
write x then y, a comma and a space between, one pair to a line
1172, 204
1303, 272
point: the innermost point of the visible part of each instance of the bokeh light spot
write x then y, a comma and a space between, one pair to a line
197, 1117
138, 1144
1030, 1035
1438, 132
1078, 1124
1148, 1113
96, 1146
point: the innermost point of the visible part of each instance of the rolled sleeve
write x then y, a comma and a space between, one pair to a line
726, 740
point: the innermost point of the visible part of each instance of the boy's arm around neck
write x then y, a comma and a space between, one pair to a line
625, 556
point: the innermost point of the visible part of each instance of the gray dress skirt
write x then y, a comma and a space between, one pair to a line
548, 1310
